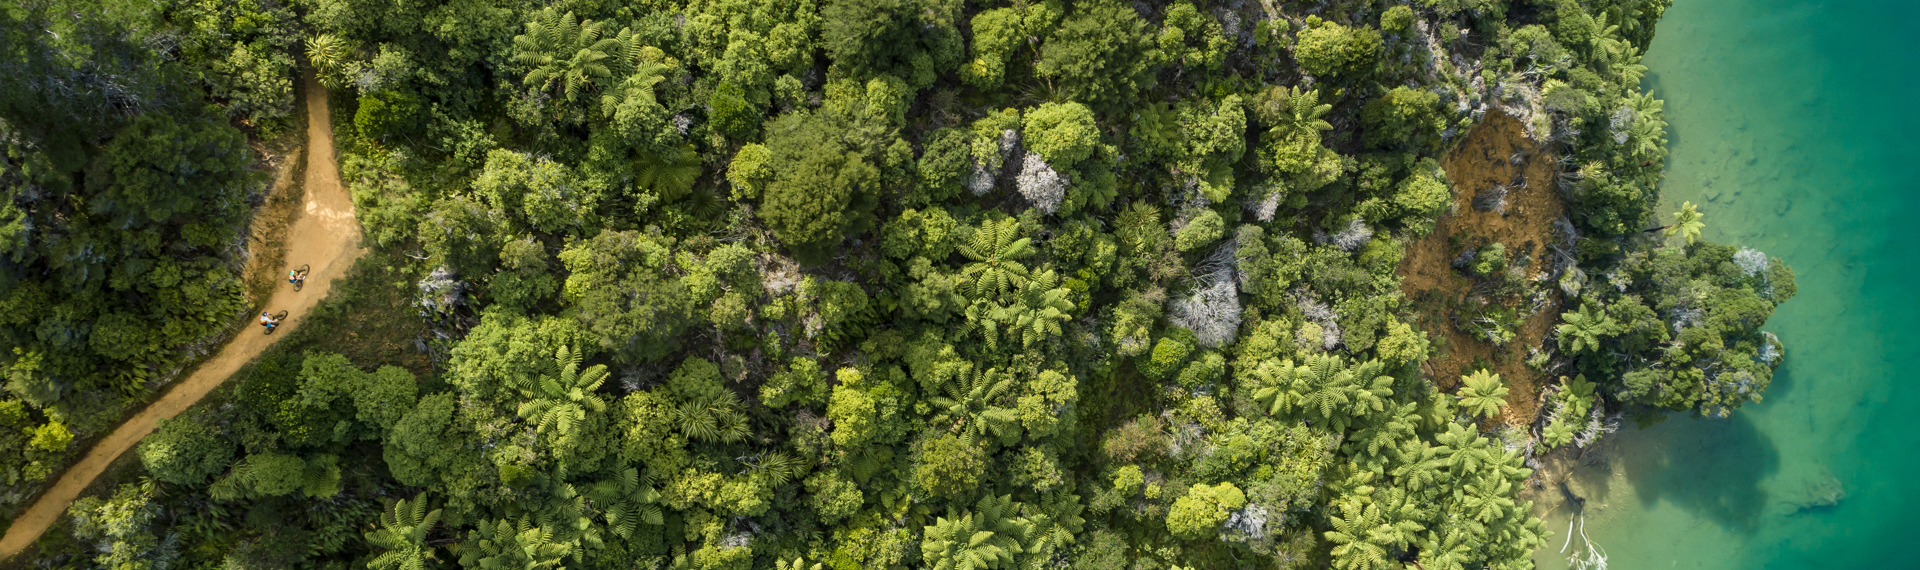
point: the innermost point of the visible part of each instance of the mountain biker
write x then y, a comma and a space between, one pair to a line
294, 277
268, 321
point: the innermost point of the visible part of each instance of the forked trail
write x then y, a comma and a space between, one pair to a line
325, 234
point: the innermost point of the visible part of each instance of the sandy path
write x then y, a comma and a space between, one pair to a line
325, 235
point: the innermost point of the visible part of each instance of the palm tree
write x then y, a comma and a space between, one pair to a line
718, 419
329, 56
1686, 223
1483, 393
1420, 466
1056, 519
561, 50
1466, 450
560, 402
1585, 328
1333, 393
990, 537
995, 247
403, 535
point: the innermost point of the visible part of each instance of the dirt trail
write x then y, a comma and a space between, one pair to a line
325, 235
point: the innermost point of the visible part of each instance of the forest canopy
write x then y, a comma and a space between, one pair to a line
733, 284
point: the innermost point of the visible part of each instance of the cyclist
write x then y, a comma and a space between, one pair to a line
295, 277
268, 321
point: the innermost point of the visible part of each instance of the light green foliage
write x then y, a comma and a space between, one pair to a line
1489, 260
1168, 355
539, 193
1063, 134
1330, 49
623, 295
1402, 116
1192, 39
185, 451
1215, 138
1482, 393
1201, 231
1686, 224
833, 497
749, 170
802, 383
950, 466
1198, 514
997, 33
120, 529
1397, 20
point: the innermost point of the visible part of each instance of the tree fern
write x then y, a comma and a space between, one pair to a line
995, 249
402, 534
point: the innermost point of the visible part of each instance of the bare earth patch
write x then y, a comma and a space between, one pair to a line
1495, 153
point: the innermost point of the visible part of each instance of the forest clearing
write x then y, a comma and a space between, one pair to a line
1503, 193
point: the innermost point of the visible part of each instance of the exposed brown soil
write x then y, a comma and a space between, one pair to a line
324, 234
1481, 161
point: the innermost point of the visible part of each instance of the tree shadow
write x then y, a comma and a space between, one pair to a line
1712, 467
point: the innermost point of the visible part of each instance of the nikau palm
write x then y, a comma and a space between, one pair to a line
1686, 223
1483, 393
1585, 328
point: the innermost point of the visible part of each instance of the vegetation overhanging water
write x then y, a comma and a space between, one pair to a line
1791, 123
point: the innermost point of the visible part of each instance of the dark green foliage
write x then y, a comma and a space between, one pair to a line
914, 40
1101, 54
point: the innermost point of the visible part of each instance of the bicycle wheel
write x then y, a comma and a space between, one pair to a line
280, 315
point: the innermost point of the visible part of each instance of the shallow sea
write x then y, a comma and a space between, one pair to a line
1795, 125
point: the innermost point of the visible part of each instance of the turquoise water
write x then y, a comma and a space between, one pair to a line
1795, 124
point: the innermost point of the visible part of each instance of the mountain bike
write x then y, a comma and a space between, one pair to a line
277, 317
299, 277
